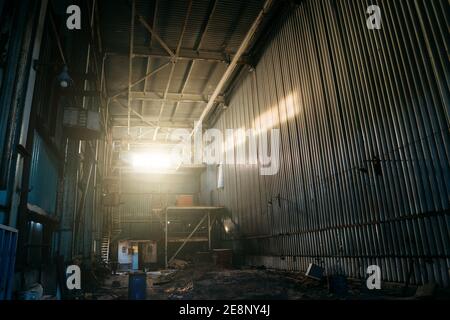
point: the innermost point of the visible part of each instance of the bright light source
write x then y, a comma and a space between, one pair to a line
153, 161
228, 225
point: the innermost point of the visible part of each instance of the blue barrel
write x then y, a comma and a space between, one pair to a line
137, 286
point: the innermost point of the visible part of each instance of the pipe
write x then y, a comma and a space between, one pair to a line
242, 48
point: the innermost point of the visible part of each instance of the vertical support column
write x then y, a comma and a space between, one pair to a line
209, 230
166, 232
69, 200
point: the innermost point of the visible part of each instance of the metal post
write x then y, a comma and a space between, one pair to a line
166, 232
209, 230
80, 211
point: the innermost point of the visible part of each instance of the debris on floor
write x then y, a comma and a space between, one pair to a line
315, 271
178, 264
161, 277
211, 283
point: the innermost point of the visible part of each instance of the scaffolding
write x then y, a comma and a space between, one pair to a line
208, 216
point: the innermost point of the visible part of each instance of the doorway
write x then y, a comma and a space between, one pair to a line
134, 256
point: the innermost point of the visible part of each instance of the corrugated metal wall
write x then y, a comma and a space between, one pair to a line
344, 96
8, 243
44, 177
141, 194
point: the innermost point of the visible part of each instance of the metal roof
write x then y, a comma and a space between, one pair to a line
213, 32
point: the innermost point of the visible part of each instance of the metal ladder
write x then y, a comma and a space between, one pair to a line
105, 247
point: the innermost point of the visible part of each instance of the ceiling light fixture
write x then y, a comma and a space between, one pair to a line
64, 78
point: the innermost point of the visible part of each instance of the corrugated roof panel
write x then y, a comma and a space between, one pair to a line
224, 22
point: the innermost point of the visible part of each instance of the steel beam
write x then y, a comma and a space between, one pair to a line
148, 75
155, 16
137, 122
173, 97
177, 52
131, 110
242, 48
156, 36
197, 47
185, 54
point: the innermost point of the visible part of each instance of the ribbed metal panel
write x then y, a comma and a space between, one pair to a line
8, 244
143, 193
43, 178
344, 96
135, 206
224, 29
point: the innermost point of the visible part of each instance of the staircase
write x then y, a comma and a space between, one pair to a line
113, 230
105, 247
112, 226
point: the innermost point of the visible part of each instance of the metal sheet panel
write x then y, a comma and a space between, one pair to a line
364, 121
44, 177
8, 244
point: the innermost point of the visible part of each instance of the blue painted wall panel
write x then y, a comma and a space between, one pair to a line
8, 244
43, 178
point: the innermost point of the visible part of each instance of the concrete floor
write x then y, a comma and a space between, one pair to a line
208, 283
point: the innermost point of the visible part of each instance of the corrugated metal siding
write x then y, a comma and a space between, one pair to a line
141, 194
345, 95
135, 206
8, 244
43, 178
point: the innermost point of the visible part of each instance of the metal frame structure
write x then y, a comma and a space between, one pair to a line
231, 67
193, 55
197, 48
185, 55
209, 215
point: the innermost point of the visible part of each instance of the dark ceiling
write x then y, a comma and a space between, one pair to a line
177, 93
